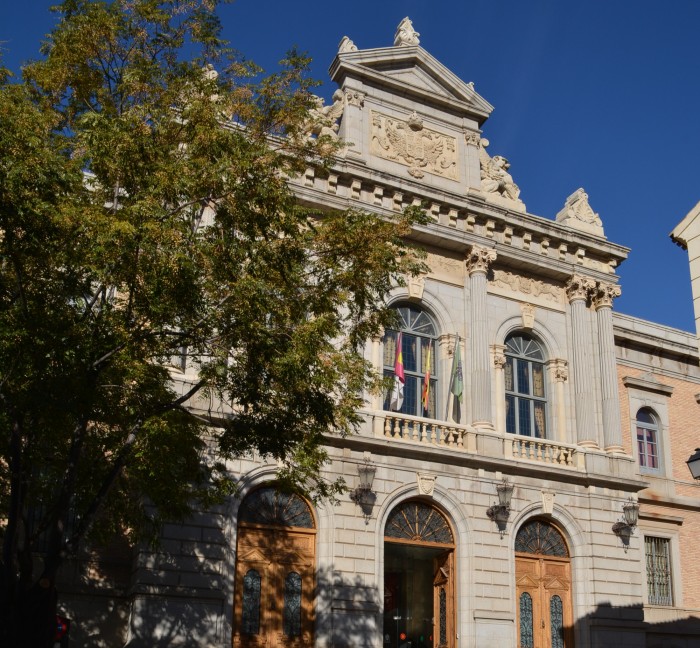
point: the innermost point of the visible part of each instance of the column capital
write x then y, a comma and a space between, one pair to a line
559, 369
579, 287
479, 259
499, 358
604, 295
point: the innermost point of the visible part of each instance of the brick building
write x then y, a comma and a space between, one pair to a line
538, 393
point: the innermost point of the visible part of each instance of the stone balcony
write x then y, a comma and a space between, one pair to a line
404, 435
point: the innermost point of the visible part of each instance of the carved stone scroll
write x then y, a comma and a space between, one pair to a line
410, 143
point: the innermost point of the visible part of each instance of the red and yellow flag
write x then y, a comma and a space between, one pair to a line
426, 381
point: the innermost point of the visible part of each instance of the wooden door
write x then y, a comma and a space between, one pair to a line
543, 602
274, 589
443, 600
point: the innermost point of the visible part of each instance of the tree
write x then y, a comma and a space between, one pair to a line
145, 216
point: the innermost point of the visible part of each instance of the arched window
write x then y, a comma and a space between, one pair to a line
648, 440
418, 354
526, 398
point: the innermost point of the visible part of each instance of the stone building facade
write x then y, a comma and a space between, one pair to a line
538, 389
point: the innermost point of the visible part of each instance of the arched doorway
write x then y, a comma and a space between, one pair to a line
543, 587
275, 571
419, 575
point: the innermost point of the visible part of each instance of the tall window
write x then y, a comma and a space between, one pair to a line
648, 440
418, 341
658, 560
525, 390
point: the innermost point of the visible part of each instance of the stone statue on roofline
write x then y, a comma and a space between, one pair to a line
324, 119
578, 214
405, 34
495, 178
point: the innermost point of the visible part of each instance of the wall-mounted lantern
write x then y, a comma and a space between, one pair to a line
694, 464
626, 526
500, 512
363, 495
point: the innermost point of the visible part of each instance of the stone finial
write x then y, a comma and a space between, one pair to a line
346, 45
479, 259
604, 295
495, 178
577, 214
405, 34
579, 287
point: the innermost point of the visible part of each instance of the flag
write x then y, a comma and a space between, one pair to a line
426, 381
457, 377
396, 400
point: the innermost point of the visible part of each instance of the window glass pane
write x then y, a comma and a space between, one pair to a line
390, 349
651, 449
409, 352
538, 380
291, 621
523, 379
539, 421
510, 414
250, 616
509, 373
524, 421
644, 416
411, 395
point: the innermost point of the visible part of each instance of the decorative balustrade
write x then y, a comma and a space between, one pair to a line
428, 431
466, 438
541, 450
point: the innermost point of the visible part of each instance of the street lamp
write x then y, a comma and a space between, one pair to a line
694, 464
500, 512
363, 495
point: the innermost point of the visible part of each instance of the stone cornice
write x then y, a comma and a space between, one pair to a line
647, 385
459, 220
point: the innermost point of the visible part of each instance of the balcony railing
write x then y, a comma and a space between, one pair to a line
467, 438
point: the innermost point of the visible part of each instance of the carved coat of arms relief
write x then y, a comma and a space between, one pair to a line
409, 143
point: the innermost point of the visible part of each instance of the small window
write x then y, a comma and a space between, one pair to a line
658, 563
526, 399
648, 441
418, 358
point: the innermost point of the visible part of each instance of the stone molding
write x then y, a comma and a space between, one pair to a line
559, 368
405, 34
426, 484
479, 259
528, 315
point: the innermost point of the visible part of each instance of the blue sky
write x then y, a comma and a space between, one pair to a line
601, 94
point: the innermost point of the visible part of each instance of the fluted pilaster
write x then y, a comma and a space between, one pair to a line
478, 261
578, 290
612, 432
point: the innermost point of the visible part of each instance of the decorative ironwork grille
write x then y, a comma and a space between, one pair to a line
250, 617
658, 559
267, 505
526, 635
443, 617
556, 619
291, 623
420, 522
538, 537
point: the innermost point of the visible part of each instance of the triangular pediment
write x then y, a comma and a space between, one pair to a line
526, 581
411, 71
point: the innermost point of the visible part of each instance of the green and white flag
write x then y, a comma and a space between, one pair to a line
457, 376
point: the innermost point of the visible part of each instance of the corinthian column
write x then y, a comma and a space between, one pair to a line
478, 261
577, 290
612, 433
